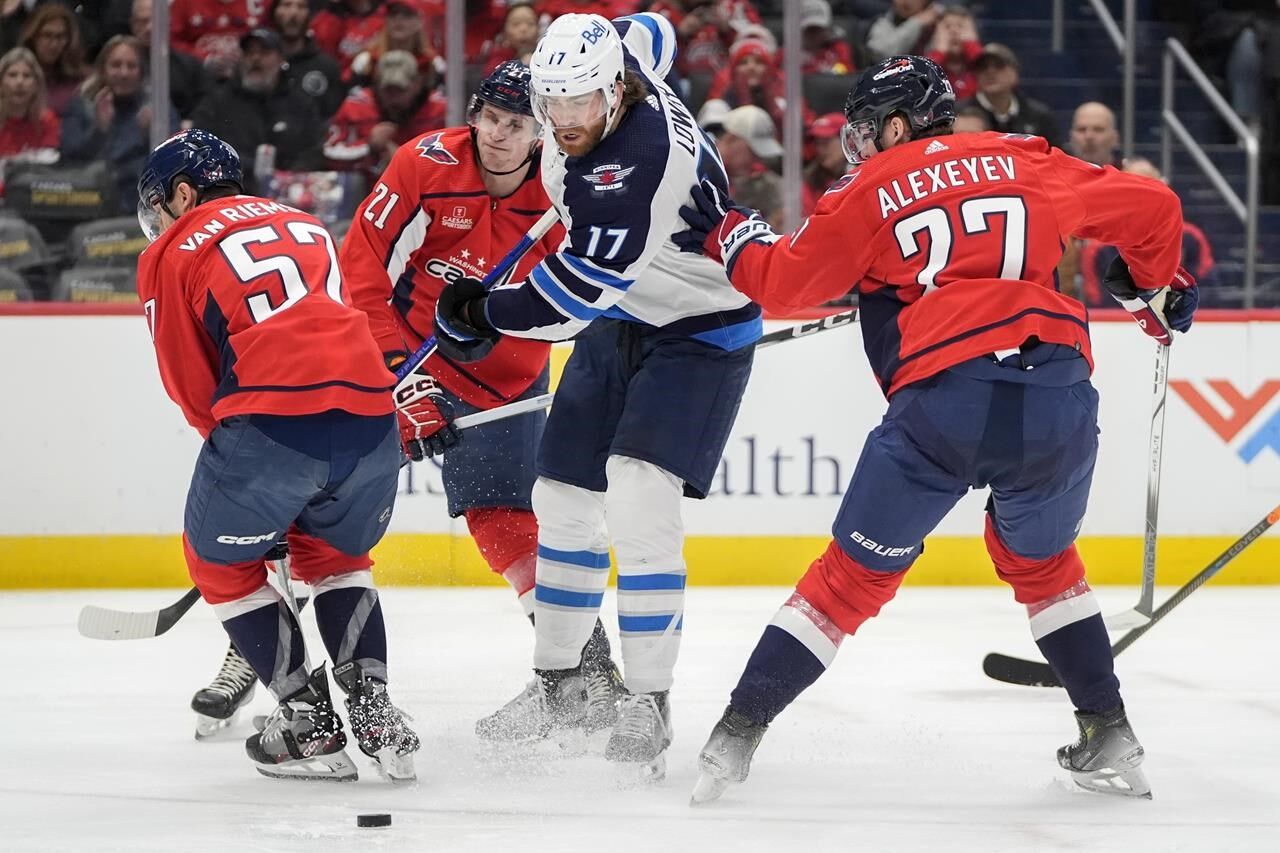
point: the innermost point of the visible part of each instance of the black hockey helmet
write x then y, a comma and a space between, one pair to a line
913, 87
506, 87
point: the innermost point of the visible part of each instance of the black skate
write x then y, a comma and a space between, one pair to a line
381, 729
217, 705
726, 759
605, 693
303, 737
555, 700
1107, 757
642, 734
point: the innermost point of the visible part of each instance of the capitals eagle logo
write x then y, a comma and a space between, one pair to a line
431, 148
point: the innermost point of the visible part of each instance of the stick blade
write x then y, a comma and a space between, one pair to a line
1126, 621
1011, 670
101, 623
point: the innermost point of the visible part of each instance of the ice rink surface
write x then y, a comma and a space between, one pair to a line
904, 745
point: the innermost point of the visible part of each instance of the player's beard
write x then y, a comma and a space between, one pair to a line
584, 139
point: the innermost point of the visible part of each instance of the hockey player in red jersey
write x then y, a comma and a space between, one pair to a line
951, 242
258, 343
450, 204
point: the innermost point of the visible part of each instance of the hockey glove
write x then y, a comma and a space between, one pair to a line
1158, 311
719, 228
462, 331
426, 421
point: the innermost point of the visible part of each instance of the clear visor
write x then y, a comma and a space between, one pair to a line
858, 139
149, 217
498, 125
560, 112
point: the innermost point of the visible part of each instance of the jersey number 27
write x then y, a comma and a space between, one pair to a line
975, 216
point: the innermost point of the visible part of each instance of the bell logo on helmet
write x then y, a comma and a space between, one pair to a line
594, 34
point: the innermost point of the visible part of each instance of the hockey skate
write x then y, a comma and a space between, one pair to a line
303, 737
217, 705
555, 700
1107, 757
641, 735
380, 728
726, 759
604, 695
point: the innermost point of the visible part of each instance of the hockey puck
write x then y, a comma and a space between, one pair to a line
373, 821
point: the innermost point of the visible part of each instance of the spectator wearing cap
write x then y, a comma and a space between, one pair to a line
1010, 110
258, 107
345, 28
753, 77
1093, 135
823, 50
711, 117
28, 128
1197, 255
308, 69
828, 164
373, 122
971, 118
906, 28
956, 48
706, 30
405, 31
111, 118
188, 79
749, 148
52, 34
517, 39
210, 30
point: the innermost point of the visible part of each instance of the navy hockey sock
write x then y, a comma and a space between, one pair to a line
1080, 654
350, 621
271, 640
780, 669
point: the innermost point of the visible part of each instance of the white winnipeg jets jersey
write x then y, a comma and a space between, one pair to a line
620, 205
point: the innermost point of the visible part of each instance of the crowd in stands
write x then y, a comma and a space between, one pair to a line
303, 86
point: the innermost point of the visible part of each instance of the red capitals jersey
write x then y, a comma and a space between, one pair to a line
207, 28
346, 36
250, 315
430, 220
347, 145
953, 242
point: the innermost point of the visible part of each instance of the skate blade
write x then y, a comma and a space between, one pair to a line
635, 774
209, 727
395, 768
708, 789
334, 767
1123, 783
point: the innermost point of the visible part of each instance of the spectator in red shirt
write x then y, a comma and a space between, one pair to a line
347, 27
752, 77
52, 34
518, 38
211, 30
955, 46
828, 164
822, 49
372, 123
706, 30
28, 129
405, 30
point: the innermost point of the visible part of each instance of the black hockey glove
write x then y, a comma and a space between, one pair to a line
463, 333
719, 227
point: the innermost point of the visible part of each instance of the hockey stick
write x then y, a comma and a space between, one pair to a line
105, 623
542, 401
1141, 612
413, 369
1037, 674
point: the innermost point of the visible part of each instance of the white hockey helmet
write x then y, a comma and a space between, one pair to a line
574, 68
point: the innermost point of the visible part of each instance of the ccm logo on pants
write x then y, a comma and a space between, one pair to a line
247, 540
872, 545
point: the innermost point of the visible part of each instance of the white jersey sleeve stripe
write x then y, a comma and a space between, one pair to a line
557, 294
411, 237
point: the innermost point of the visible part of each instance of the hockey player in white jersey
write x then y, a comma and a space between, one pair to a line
662, 355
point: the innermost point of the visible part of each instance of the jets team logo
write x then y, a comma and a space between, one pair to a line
433, 149
608, 178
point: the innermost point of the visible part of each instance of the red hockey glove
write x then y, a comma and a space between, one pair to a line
426, 421
719, 228
1159, 311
